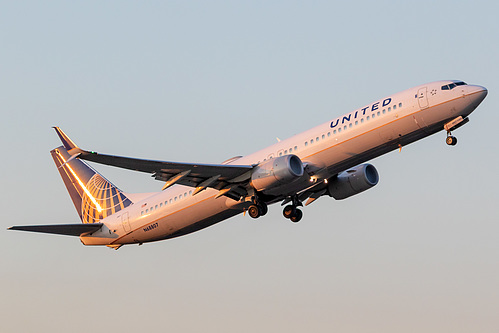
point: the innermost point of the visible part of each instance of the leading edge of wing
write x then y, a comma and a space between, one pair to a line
192, 174
60, 229
151, 166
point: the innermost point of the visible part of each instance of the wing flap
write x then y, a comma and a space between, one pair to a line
60, 229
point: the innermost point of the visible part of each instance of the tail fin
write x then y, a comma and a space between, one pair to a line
94, 197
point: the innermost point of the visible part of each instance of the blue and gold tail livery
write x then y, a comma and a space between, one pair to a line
93, 195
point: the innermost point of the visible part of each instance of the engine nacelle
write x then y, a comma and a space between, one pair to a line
353, 181
277, 172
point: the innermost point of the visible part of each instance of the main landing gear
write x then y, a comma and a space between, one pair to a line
292, 212
258, 209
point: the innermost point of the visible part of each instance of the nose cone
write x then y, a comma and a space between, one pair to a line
477, 93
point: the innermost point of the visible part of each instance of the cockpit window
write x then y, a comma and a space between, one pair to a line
453, 85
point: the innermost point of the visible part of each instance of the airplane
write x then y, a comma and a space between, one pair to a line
327, 160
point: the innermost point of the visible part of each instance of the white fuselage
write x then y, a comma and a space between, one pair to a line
326, 150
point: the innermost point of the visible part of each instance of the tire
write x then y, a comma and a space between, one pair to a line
451, 140
288, 211
263, 209
297, 216
253, 211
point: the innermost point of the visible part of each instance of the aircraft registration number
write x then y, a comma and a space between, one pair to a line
151, 227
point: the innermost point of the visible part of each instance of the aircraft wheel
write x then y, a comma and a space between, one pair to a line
451, 140
263, 208
288, 211
296, 216
253, 211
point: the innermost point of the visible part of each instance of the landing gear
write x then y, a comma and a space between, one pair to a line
452, 125
292, 212
451, 140
288, 211
257, 210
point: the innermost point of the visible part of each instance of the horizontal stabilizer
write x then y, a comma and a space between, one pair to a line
61, 229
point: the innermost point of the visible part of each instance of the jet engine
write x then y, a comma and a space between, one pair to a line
353, 181
276, 172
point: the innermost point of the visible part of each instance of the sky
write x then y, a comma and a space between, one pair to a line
199, 81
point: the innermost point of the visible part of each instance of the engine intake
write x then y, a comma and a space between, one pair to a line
277, 172
353, 181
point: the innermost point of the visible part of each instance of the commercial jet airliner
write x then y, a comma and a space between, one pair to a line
327, 160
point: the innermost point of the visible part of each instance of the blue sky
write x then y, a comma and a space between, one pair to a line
204, 81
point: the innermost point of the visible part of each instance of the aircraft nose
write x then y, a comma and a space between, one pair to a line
478, 93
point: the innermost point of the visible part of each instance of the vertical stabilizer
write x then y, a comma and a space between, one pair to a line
94, 197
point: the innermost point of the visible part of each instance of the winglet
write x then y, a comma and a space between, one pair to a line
66, 141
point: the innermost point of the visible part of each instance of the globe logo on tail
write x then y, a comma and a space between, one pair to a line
101, 200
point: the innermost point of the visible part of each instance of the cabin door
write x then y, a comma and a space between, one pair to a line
423, 98
126, 222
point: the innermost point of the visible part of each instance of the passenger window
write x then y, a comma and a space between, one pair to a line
161, 205
290, 150
400, 105
156, 207
311, 140
190, 192
171, 200
285, 152
328, 134
367, 118
142, 213
345, 127
323, 136
147, 210
356, 123
316, 139
362, 120
394, 107
373, 115
306, 143
350, 125
280, 154
296, 147
175, 199
334, 132
384, 111
166, 202
185, 195
389, 109
378, 113
339, 130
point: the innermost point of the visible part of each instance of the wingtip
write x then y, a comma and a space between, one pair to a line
66, 141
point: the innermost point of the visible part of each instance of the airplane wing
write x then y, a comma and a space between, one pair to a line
228, 179
60, 229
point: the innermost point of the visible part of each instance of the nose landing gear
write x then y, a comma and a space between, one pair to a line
452, 125
451, 140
